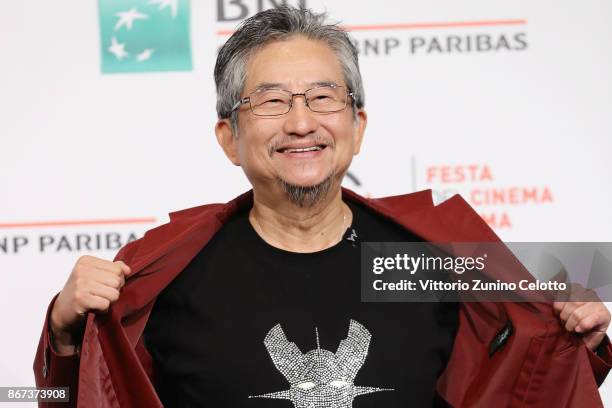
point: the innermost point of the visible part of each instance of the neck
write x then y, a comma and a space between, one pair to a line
287, 226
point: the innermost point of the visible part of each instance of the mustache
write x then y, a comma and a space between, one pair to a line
276, 143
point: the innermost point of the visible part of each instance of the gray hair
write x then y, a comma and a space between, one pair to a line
279, 24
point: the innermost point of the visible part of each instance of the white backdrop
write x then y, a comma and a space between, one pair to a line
506, 102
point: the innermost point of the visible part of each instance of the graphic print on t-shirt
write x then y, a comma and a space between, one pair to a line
320, 378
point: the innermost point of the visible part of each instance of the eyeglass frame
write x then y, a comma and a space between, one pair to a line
247, 99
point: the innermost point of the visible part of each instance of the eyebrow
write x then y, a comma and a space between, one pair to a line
263, 86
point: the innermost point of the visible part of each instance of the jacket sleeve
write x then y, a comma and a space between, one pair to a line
601, 360
52, 369
55, 370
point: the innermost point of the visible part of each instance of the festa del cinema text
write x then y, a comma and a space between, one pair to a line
479, 187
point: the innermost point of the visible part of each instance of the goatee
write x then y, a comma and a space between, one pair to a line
307, 196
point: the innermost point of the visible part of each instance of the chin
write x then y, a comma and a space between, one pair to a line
306, 193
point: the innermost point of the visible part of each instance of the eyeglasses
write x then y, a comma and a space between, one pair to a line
276, 102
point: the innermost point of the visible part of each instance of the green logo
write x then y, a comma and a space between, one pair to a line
145, 35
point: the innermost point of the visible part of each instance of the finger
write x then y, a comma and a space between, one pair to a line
567, 310
124, 267
86, 275
597, 320
85, 302
107, 266
572, 321
558, 307
105, 292
98, 304
110, 280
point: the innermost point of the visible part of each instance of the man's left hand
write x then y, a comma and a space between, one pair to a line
590, 319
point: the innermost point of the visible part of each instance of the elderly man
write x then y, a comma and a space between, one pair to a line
256, 303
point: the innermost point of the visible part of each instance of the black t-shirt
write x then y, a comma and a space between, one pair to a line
248, 325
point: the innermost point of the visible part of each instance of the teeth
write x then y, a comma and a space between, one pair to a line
306, 149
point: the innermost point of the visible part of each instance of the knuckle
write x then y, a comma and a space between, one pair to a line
77, 270
114, 268
82, 270
79, 297
83, 259
123, 267
114, 296
580, 314
80, 282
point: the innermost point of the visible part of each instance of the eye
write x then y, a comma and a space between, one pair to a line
338, 383
321, 98
273, 101
323, 93
306, 385
270, 98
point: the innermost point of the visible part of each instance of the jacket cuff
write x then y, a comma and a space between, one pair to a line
52, 369
601, 360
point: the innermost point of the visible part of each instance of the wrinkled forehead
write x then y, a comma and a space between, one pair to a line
294, 64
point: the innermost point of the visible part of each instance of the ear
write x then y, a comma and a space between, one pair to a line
227, 140
361, 121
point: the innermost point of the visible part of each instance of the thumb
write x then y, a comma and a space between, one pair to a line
127, 271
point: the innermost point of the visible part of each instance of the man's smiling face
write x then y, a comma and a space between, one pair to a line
301, 148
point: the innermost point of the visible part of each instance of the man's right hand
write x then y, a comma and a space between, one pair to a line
93, 285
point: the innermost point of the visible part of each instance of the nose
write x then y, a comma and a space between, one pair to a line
300, 120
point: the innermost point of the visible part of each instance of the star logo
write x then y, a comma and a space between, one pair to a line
173, 4
117, 49
145, 55
145, 35
127, 18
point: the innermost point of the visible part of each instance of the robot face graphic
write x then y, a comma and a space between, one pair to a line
320, 378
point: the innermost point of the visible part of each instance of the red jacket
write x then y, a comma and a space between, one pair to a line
541, 365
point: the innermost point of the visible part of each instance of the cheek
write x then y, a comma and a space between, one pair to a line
253, 148
342, 126
344, 136
253, 154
